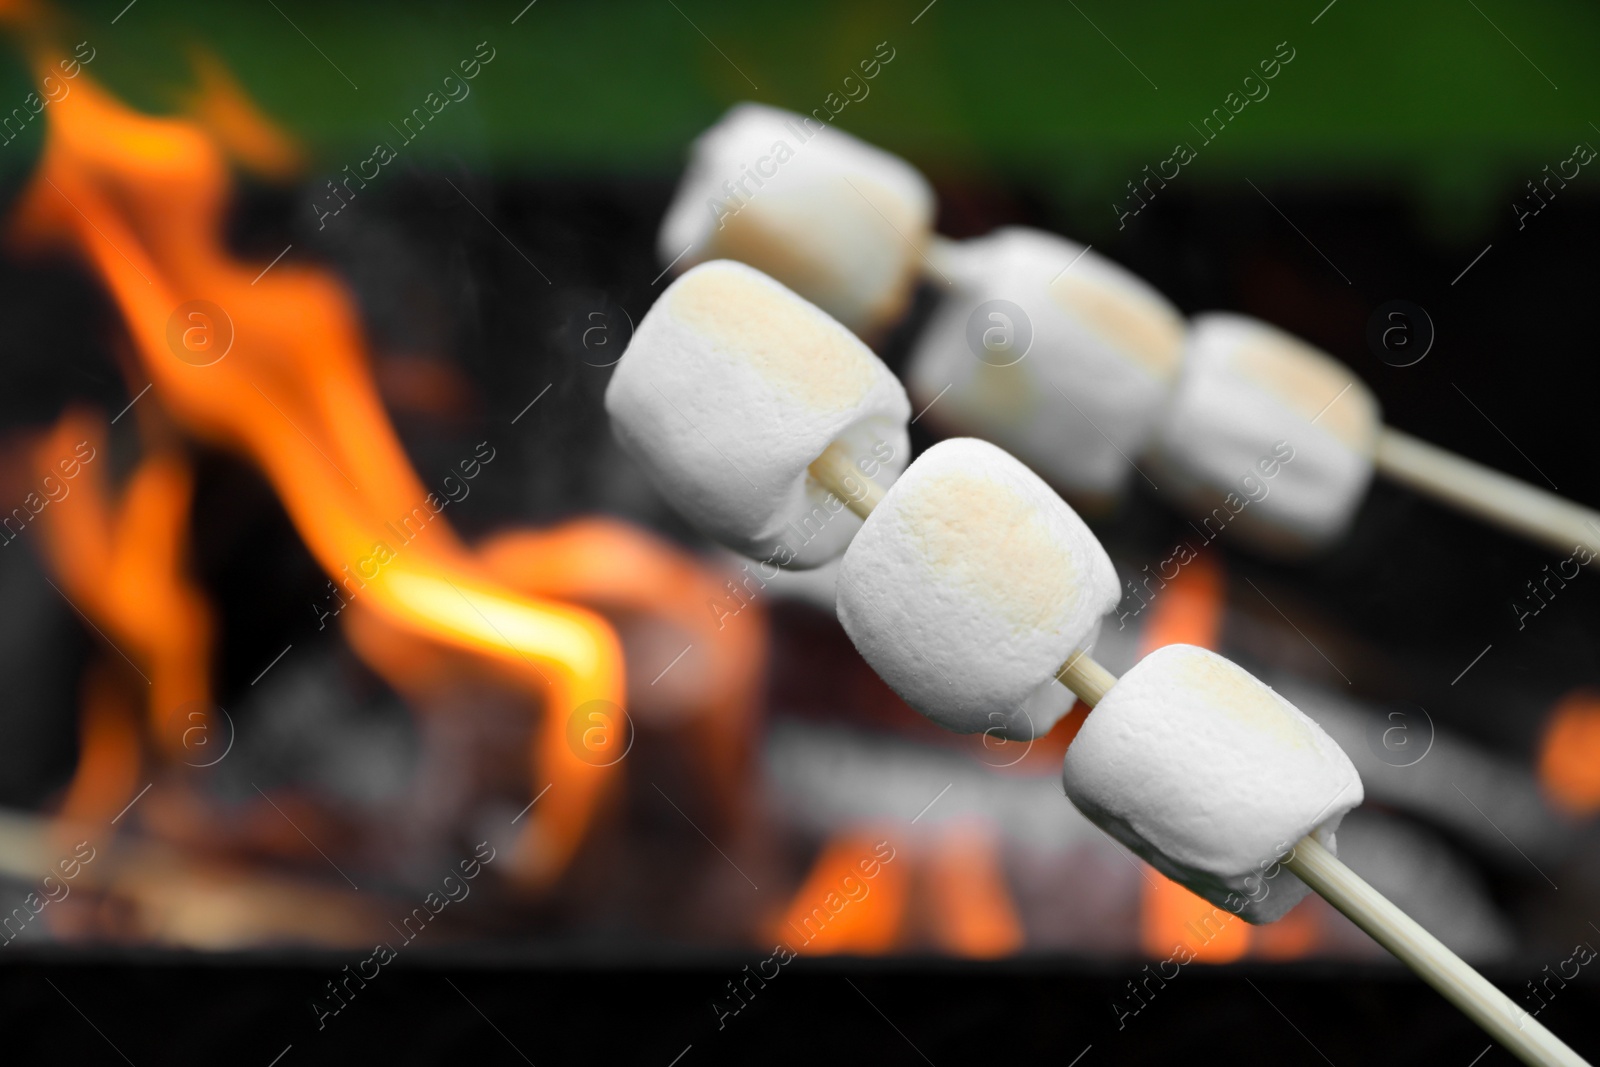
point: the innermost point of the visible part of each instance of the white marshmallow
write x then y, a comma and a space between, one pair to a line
731, 387
969, 586
1102, 348
1210, 776
1249, 397
840, 222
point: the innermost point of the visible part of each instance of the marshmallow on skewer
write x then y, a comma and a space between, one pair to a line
1257, 411
840, 222
968, 585
1175, 837
1074, 384
1211, 776
731, 387
744, 325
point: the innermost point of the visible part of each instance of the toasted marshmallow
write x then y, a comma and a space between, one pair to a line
731, 387
1264, 427
1074, 384
838, 221
969, 585
1211, 777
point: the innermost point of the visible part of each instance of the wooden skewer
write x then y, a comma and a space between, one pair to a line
1499, 499
1521, 1034
1086, 678
836, 472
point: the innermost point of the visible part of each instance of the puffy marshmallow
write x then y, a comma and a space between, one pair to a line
1074, 385
1264, 427
731, 387
969, 585
837, 220
1210, 776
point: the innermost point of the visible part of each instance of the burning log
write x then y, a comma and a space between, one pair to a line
618, 569
143, 890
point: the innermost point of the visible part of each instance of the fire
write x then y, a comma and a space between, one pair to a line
975, 916
951, 886
122, 565
619, 569
841, 908
1569, 754
273, 365
628, 574
227, 112
108, 763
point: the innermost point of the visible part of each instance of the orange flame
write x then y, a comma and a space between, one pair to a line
1569, 754
123, 566
850, 904
973, 914
108, 753
141, 199
226, 110
616, 568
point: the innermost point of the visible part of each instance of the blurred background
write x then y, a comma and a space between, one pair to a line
336, 617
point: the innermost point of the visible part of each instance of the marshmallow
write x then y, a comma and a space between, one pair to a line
1074, 385
837, 220
731, 387
1210, 776
969, 585
1264, 427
